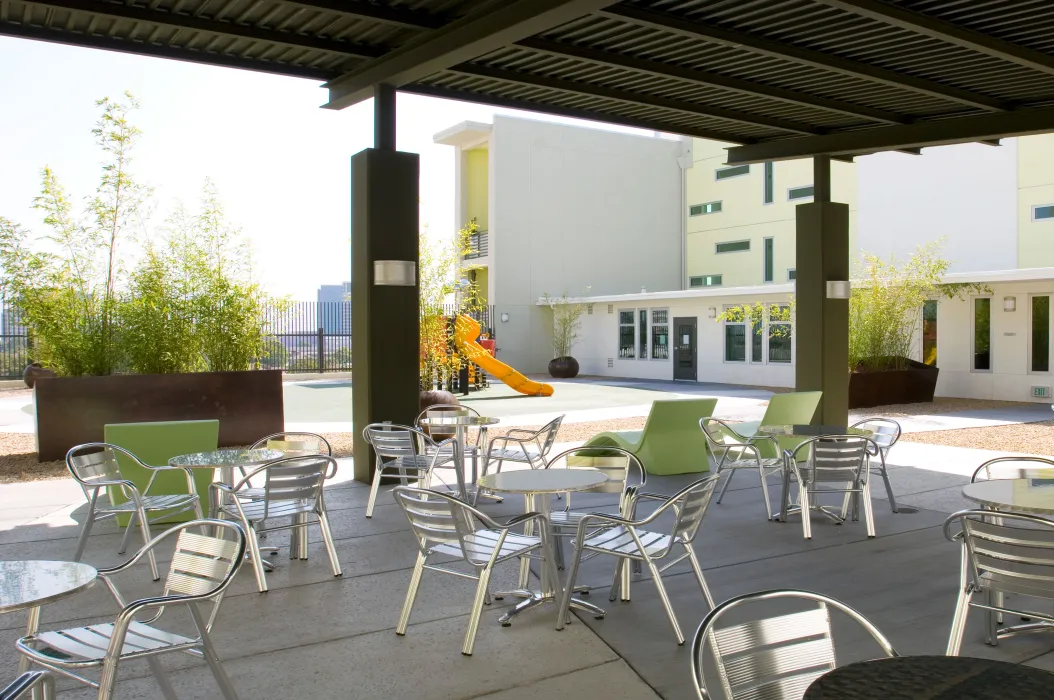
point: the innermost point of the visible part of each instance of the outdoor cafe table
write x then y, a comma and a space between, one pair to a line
932, 678
1022, 495
226, 461
26, 585
533, 483
461, 424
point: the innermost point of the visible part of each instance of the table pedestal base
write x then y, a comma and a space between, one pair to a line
532, 599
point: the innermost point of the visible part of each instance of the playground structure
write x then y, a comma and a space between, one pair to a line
466, 330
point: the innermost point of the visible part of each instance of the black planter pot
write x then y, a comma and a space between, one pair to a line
913, 384
563, 367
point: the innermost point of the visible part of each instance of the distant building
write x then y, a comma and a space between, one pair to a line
334, 308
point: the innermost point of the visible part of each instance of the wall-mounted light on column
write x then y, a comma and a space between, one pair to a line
394, 273
713, 312
504, 317
838, 289
1009, 303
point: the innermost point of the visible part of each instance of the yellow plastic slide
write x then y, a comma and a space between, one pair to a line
465, 333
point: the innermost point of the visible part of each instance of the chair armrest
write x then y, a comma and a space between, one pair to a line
519, 520
506, 440
524, 431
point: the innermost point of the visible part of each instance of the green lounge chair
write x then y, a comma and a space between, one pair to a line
671, 442
156, 443
784, 409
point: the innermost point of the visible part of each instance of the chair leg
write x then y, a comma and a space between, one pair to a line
411, 594
962, 609
374, 488
869, 513
657, 578
144, 526
254, 553
558, 551
477, 611
806, 510
198, 512
162, 678
616, 580
563, 612
208, 650
885, 480
731, 473
991, 626
327, 538
127, 537
108, 679
82, 541
699, 575
765, 492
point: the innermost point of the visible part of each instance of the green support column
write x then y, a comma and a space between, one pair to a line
385, 321
822, 325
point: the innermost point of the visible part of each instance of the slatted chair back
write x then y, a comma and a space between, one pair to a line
1013, 551
691, 504
442, 410
1014, 468
95, 462
548, 434
724, 442
393, 441
834, 458
773, 658
621, 467
441, 519
295, 479
202, 562
884, 431
295, 444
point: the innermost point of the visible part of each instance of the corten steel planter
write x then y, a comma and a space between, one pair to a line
73, 410
915, 384
563, 367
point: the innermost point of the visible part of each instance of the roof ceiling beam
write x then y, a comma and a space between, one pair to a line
493, 26
708, 79
808, 57
941, 132
635, 98
395, 16
947, 32
572, 112
200, 23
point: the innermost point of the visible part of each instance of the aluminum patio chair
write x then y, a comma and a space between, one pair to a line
627, 539
775, 658
733, 451
473, 449
31, 685
448, 527
1022, 467
1003, 554
885, 433
407, 454
206, 557
830, 459
94, 466
624, 472
531, 446
292, 492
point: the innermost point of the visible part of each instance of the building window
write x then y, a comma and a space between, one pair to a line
1045, 211
1040, 334
757, 338
708, 208
792, 274
736, 339
643, 338
626, 336
769, 255
780, 333
734, 171
732, 247
770, 189
660, 334
799, 192
705, 281
929, 332
982, 334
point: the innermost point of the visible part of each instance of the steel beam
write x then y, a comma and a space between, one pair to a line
983, 127
802, 56
947, 32
495, 25
635, 98
703, 78
395, 16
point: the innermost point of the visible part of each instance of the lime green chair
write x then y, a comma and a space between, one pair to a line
671, 442
784, 409
156, 443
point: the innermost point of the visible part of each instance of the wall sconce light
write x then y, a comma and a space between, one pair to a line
1009, 303
504, 317
838, 289
713, 312
394, 273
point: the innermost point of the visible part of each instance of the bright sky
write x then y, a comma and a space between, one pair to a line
282, 165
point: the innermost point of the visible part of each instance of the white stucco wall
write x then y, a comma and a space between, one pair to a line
573, 208
966, 193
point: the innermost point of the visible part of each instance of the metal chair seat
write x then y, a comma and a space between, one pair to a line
179, 500
258, 510
619, 540
515, 455
88, 645
480, 545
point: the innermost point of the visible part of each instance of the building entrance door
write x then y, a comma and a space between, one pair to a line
685, 355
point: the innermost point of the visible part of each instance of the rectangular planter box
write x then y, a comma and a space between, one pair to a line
73, 410
915, 384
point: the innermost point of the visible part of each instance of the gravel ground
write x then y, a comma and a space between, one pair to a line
1031, 438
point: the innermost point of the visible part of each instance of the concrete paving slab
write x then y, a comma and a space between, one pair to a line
612, 681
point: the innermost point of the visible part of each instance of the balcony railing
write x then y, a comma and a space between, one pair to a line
477, 246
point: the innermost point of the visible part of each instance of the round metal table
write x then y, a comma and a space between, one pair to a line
537, 487
1023, 495
932, 678
26, 585
808, 431
461, 424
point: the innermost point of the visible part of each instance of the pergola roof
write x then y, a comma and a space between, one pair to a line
785, 78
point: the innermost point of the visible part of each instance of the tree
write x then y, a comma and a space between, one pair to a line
567, 323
